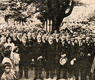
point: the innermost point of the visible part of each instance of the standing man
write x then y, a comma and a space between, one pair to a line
30, 44
44, 44
38, 58
51, 58
24, 58
62, 60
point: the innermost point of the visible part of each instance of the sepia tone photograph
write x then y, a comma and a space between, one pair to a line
47, 39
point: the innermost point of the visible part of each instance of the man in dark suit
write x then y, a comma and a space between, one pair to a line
62, 61
24, 58
30, 43
38, 58
83, 60
50, 58
44, 44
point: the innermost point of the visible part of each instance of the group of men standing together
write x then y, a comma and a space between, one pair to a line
40, 53
56, 56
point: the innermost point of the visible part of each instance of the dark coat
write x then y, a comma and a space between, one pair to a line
33, 47
39, 50
51, 57
24, 54
29, 48
45, 45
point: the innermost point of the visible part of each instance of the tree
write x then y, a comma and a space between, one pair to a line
52, 10
55, 10
17, 9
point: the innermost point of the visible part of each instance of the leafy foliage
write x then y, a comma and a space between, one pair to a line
21, 10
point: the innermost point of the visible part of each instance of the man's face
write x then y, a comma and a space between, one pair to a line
57, 37
17, 50
9, 39
76, 41
44, 39
7, 69
3, 39
39, 39
87, 40
14, 38
50, 40
29, 36
24, 40
33, 36
83, 41
55, 31
69, 41
63, 43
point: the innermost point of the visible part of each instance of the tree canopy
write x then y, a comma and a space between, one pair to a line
54, 10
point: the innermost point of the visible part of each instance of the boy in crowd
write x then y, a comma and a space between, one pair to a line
8, 74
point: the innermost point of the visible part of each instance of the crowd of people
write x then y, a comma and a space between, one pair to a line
57, 55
